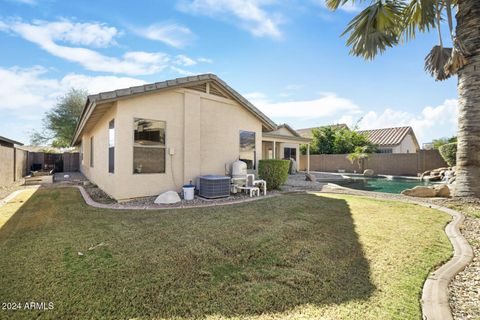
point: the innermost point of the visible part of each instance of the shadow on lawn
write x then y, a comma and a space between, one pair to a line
262, 257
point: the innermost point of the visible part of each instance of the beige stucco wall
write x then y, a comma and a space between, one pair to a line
202, 132
407, 145
98, 174
6, 166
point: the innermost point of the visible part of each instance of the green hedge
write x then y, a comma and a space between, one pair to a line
274, 172
449, 153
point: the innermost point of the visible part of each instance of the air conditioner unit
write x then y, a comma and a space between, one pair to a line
212, 186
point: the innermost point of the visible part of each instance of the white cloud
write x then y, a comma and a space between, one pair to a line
329, 108
28, 88
248, 14
26, 93
183, 60
88, 34
431, 123
131, 63
174, 35
205, 60
327, 105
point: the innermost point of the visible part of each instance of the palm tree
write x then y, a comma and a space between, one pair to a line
387, 23
359, 156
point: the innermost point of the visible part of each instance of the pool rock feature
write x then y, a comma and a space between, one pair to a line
444, 174
440, 190
368, 173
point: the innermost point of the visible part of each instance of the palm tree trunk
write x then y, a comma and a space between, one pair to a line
468, 153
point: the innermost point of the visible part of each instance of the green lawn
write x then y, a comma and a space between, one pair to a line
298, 256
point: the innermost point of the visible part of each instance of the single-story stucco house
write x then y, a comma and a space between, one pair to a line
393, 140
149, 139
388, 140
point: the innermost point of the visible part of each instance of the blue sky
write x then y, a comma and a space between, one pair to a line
286, 57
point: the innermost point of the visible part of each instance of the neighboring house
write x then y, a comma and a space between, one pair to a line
388, 140
307, 132
393, 140
148, 139
8, 161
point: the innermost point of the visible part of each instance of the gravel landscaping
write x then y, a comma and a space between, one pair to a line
465, 288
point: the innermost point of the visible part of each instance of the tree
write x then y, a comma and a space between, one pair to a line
359, 155
437, 143
387, 23
336, 140
59, 123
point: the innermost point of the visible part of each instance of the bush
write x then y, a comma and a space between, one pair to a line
449, 153
274, 172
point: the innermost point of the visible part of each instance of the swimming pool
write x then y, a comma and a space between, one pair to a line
382, 184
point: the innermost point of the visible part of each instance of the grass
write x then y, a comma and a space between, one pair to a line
299, 256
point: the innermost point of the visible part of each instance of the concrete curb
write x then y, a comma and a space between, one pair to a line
95, 204
435, 302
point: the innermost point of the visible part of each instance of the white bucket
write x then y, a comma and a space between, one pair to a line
188, 192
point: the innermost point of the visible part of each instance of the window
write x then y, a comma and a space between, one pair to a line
385, 151
290, 153
91, 151
149, 151
247, 148
81, 152
111, 146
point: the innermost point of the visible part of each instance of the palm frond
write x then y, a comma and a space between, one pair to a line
375, 29
335, 4
457, 58
436, 61
419, 15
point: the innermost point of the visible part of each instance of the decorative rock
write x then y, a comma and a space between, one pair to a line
368, 173
421, 192
442, 190
168, 197
423, 175
310, 177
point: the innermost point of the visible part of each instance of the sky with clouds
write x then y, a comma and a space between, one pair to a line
286, 57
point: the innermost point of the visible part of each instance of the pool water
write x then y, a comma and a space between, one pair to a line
388, 185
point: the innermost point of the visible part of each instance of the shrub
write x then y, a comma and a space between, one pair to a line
449, 153
274, 172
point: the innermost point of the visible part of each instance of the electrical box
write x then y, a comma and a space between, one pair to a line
171, 151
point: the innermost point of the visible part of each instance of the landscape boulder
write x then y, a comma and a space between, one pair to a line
425, 174
442, 190
368, 173
168, 197
310, 177
421, 192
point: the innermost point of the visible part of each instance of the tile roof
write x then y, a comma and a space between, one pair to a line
109, 96
387, 136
